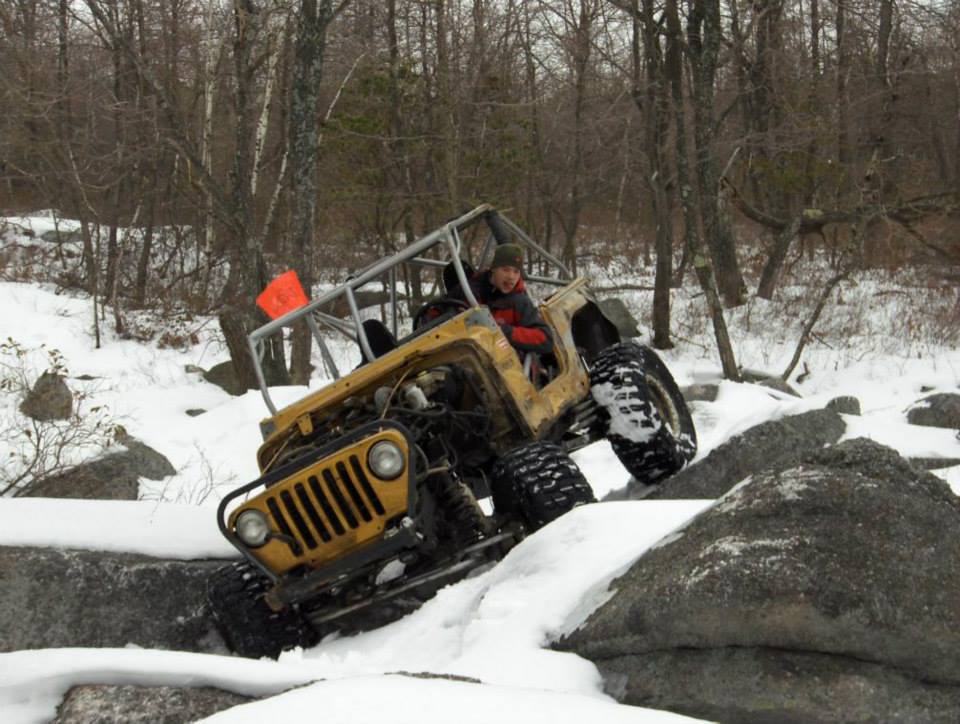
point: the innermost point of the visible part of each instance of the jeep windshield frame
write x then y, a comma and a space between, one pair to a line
447, 237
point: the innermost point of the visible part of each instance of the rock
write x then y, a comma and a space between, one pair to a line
50, 399
764, 379
195, 411
845, 405
616, 311
193, 369
777, 443
115, 476
830, 586
700, 393
61, 598
62, 236
224, 376
143, 704
940, 410
933, 463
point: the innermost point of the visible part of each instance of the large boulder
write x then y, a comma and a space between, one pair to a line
829, 587
777, 443
143, 704
224, 376
940, 410
115, 476
57, 598
48, 399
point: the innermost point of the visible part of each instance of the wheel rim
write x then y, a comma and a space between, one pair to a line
664, 405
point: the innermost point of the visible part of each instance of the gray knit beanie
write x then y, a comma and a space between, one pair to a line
508, 255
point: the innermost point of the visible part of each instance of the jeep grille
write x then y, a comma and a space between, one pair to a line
323, 503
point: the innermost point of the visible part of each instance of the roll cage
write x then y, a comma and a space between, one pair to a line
449, 241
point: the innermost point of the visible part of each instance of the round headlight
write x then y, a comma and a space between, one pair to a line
253, 528
386, 460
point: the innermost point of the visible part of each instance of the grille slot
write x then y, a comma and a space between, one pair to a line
340, 500
321, 497
365, 484
283, 525
353, 492
298, 520
307, 504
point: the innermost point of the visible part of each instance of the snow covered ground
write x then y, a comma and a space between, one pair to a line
495, 627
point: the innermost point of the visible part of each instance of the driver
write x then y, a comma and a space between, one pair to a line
501, 288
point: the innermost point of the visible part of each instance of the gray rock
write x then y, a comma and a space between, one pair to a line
780, 687
832, 586
193, 369
765, 379
701, 393
845, 405
143, 704
933, 463
115, 476
50, 399
195, 411
616, 311
225, 377
777, 443
940, 410
60, 598
62, 236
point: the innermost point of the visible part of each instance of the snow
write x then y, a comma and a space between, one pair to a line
494, 628
161, 530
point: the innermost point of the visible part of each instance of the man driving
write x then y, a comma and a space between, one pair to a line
502, 290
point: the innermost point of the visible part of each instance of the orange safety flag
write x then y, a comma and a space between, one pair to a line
282, 295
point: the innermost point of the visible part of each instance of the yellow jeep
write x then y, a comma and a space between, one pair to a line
438, 453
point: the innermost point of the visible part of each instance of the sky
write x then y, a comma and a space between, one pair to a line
494, 628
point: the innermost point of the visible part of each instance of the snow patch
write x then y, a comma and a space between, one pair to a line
629, 418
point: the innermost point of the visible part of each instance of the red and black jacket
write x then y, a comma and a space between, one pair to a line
516, 314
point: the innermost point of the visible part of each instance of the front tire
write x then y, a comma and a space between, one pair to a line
540, 482
248, 625
644, 416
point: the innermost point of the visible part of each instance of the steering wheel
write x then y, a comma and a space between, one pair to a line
437, 308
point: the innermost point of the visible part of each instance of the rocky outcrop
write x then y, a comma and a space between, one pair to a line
778, 443
845, 405
48, 399
940, 410
224, 376
701, 392
828, 586
115, 476
143, 704
54, 598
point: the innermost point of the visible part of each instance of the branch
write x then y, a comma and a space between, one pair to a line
808, 327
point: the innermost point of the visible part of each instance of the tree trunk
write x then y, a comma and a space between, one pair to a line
656, 136
771, 270
701, 261
312, 21
704, 37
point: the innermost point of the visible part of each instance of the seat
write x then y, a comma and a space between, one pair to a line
380, 338
451, 283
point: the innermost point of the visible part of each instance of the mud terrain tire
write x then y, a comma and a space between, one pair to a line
540, 482
248, 625
644, 414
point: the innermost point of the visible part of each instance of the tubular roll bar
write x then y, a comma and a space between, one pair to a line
448, 234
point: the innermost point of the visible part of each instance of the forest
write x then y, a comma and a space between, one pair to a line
205, 145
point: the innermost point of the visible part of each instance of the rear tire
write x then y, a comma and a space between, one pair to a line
248, 625
644, 415
540, 482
